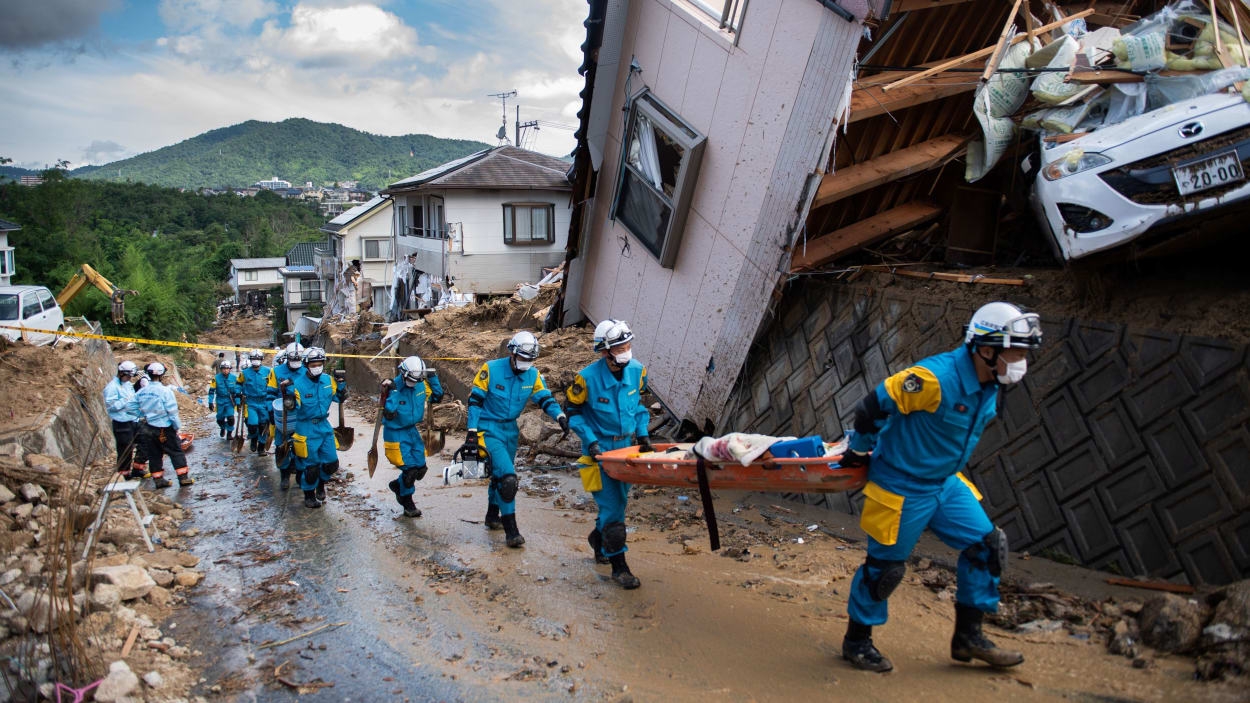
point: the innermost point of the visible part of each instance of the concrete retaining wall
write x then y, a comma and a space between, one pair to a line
1124, 449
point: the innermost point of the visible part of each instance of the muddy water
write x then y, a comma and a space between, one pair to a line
437, 608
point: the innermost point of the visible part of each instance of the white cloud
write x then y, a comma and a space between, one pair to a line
362, 35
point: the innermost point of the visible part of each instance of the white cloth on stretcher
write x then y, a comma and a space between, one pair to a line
736, 446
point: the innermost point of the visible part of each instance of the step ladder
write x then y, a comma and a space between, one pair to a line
145, 520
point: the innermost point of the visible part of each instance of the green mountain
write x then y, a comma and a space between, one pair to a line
295, 150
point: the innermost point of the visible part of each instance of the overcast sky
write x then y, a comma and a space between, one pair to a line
93, 81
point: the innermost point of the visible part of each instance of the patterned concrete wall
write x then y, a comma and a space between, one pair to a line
1125, 450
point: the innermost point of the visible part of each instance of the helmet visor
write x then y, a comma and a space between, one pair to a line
1025, 330
526, 350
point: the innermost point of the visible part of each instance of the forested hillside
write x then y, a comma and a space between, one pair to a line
172, 247
295, 150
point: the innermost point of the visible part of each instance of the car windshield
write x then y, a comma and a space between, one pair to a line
8, 306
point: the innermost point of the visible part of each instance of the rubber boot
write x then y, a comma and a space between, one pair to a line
621, 574
310, 500
223, 430
510, 531
285, 482
968, 642
251, 443
321, 490
185, 481
595, 538
410, 508
492, 521
161, 483
858, 649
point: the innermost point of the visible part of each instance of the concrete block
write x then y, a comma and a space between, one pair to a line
1158, 392
1090, 530
1092, 340
1146, 350
132, 581
1115, 435
1146, 545
1076, 471
1174, 450
1217, 410
1208, 359
1206, 560
1130, 488
1101, 382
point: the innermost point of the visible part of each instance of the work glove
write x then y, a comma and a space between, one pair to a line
852, 459
594, 450
342, 392
437, 397
212, 406
563, 421
285, 382
388, 383
236, 400
644, 445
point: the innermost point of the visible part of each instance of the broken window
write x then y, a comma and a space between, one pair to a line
659, 167
529, 223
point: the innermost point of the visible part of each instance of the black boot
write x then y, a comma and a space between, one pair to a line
223, 430
492, 518
161, 483
251, 443
285, 482
321, 490
858, 649
595, 538
310, 500
410, 508
510, 531
968, 642
621, 574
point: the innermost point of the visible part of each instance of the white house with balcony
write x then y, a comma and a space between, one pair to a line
484, 223
302, 294
251, 279
356, 264
7, 264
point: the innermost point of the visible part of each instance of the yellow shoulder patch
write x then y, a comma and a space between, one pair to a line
482, 380
642, 379
577, 392
915, 389
538, 383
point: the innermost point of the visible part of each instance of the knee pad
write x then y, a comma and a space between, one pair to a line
420, 472
613, 537
991, 552
331, 468
409, 477
507, 488
889, 576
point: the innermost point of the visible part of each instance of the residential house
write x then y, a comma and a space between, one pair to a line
361, 235
252, 279
7, 265
301, 287
273, 183
486, 222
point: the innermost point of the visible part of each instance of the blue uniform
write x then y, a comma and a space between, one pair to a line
403, 412
316, 451
499, 395
156, 405
223, 390
934, 413
256, 394
606, 407
117, 397
277, 375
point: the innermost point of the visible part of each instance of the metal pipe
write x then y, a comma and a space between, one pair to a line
837, 10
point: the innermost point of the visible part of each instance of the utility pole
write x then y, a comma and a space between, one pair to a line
519, 126
502, 135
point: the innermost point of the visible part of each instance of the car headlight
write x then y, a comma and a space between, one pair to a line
1073, 162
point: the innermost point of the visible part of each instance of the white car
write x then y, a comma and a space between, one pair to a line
1147, 174
32, 307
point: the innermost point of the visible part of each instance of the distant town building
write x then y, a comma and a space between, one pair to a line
274, 183
31, 180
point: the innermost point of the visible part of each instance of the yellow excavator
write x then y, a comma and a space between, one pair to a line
85, 275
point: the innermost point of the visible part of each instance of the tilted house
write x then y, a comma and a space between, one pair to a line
360, 235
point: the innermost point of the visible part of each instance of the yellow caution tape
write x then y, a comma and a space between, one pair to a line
210, 347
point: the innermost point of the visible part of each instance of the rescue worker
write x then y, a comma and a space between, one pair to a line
117, 395
922, 425
156, 405
316, 451
254, 380
286, 366
223, 396
401, 416
606, 412
500, 391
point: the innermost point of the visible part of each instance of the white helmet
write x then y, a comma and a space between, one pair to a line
1004, 325
412, 369
256, 354
225, 365
612, 333
280, 358
294, 350
127, 367
524, 345
156, 369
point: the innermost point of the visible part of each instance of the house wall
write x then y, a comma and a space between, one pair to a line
4, 246
1124, 449
767, 107
293, 301
265, 278
379, 272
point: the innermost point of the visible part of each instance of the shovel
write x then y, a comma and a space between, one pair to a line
236, 442
377, 427
344, 436
279, 452
433, 442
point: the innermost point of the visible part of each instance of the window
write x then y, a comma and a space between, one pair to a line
46, 299
6, 262
728, 13
529, 223
377, 249
400, 219
8, 307
309, 290
659, 168
30, 306
249, 275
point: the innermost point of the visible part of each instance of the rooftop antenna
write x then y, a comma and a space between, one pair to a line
502, 134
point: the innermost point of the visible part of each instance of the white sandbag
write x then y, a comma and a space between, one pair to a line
1050, 87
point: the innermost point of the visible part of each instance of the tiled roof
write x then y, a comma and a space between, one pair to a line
347, 217
302, 254
6, 226
501, 167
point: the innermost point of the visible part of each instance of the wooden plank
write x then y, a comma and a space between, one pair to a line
979, 54
863, 233
872, 101
901, 6
960, 277
992, 64
1151, 585
1105, 77
886, 168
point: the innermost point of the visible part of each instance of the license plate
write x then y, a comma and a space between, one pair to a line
1211, 172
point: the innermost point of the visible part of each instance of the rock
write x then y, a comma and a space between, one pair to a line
188, 578
40, 510
1234, 610
530, 426
179, 652
32, 493
1170, 623
1039, 626
11, 542
153, 679
1124, 638
105, 596
133, 581
159, 596
10, 576
41, 608
42, 462
165, 559
162, 577
22, 511
6, 495
119, 682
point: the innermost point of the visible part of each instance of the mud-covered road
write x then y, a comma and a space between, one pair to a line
437, 608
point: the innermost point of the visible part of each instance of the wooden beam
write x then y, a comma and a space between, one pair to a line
871, 101
881, 226
1001, 46
901, 6
887, 167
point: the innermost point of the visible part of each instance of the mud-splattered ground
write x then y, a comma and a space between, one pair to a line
437, 608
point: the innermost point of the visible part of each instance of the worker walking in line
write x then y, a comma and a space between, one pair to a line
500, 391
117, 395
155, 403
403, 412
221, 356
286, 367
316, 450
606, 412
254, 382
223, 396
922, 425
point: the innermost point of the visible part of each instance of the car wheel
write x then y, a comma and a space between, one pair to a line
56, 338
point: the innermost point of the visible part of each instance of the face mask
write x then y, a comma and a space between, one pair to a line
522, 364
315, 371
410, 384
624, 357
256, 364
1015, 372
295, 364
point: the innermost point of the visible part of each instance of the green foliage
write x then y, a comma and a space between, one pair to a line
295, 150
172, 247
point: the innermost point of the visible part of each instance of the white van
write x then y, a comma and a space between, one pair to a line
33, 307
